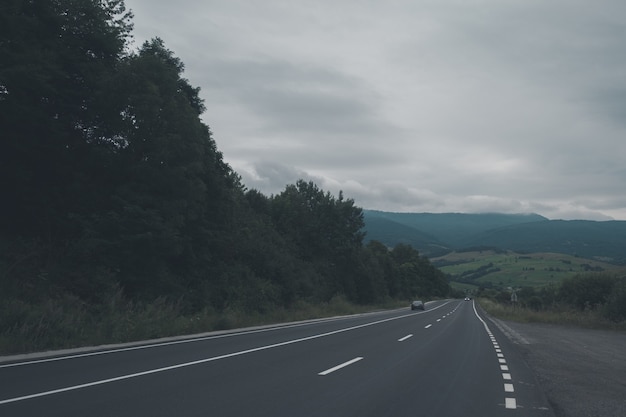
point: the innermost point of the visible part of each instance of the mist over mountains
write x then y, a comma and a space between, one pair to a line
436, 234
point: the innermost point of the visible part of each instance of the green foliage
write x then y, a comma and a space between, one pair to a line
615, 307
325, 231
557, 315
599, 295
405, 274
54, 55
317, 222
587, 291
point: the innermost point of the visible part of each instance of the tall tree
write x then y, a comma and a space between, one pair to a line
172, 189
326, 230
54, 54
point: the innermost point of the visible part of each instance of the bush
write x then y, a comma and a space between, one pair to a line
615, 307
534, 303
588, 291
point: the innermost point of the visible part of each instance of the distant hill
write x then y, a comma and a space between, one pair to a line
455, 229
604, 240
436, 234
392, 233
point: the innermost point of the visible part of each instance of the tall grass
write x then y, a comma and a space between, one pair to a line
591, 319
66, 322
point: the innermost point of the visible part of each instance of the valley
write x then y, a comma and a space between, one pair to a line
502, 269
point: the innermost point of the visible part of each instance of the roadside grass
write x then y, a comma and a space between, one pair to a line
590, 319
65, 322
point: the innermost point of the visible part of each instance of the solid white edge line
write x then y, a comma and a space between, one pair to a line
509, 403
343, 365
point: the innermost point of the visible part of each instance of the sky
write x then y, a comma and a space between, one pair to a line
466, 106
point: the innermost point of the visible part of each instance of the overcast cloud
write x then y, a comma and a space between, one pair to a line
413, 105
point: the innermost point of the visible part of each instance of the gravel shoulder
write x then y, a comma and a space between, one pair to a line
582, 371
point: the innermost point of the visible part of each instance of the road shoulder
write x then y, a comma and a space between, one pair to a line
582, 371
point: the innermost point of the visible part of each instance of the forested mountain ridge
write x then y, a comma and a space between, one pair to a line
604, 240
391, 233
116, 199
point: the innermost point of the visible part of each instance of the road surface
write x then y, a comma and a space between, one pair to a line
444, 361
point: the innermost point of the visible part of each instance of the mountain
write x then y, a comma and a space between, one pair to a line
455, 229
391, 233
436, 234
604, 240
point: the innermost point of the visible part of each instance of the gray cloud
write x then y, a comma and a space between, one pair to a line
273, 177
302, 100
414, 105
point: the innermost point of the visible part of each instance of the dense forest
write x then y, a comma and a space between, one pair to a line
115, 195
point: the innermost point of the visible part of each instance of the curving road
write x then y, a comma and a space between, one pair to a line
445, 361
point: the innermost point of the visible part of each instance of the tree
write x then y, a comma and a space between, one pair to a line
386, 267
316, 221
615, 308
172, 193
417, 276
325, 230
586, 291
54, 55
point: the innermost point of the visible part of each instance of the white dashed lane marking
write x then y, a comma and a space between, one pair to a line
510, 403
338, 367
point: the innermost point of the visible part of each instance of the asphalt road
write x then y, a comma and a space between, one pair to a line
445, 361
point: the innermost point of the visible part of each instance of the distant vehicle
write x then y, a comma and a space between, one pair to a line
417, 305
467, 298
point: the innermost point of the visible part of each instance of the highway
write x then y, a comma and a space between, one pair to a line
445, 361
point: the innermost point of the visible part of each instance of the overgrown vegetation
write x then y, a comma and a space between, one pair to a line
591, 300
120, 219
67, 322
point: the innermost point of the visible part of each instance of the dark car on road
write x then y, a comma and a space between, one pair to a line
417, 305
